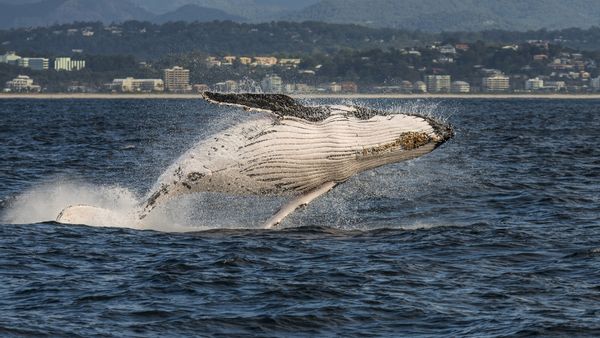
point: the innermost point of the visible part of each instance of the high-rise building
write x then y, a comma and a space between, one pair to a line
272, 84
177, 79
496, 83
65, 63
34, 63
438, 83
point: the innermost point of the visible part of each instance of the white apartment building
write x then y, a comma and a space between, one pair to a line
496, 83
65, 63
177, 79
34, 63
22, 83
459, 87
595, 83
131, 85
272, 84
555, 85
334, 87
10, 58
438, 83
534, 84
420, 87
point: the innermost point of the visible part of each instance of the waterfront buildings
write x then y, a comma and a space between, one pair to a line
65, 63
229, 86
11, 58
272, 84
420, 87
557, 86
177, 79
438, 83
496, 83
334, 87
406, 87
22, 83
349, 87
200, 88
131, 85
595, 83
459, 87
303, 88
34, 63
534, 84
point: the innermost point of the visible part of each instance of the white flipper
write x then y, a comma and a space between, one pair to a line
89, 215
297, 202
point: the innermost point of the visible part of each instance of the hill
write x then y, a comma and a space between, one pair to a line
253, 10
455, 15
150, 41
191, 13
49, 12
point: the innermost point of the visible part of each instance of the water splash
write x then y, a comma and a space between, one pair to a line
44, 202
196, 212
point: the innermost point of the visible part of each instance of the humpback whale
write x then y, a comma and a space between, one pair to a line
286, 148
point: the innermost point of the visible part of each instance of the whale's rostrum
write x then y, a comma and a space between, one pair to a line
288, 148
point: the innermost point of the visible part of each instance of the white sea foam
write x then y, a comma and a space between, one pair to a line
44, 202
119, 207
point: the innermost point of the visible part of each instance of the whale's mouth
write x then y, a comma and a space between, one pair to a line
443, 131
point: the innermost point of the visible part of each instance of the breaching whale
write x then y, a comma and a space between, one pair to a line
287, 148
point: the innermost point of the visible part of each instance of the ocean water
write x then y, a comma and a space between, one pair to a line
496, 233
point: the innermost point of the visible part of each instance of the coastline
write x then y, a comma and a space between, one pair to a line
162, 96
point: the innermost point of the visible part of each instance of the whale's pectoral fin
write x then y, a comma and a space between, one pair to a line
88, 215
278, 104
297, 202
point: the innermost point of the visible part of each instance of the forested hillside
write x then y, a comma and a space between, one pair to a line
446, 15
150, 41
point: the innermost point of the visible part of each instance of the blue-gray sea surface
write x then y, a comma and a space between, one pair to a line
495, 233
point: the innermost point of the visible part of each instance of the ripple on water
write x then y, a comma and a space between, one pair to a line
494, 234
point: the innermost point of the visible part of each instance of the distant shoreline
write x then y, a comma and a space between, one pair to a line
66, 96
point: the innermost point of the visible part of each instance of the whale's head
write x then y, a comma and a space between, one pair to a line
444, 131
391, 138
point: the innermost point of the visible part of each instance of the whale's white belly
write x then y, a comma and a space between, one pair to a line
292, 155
